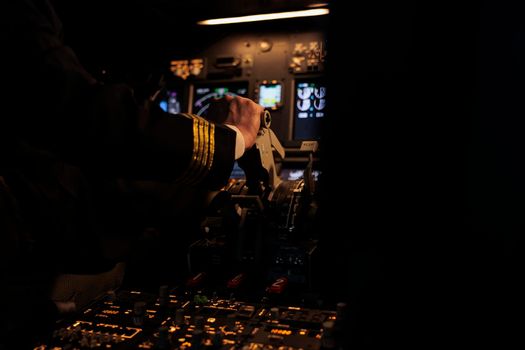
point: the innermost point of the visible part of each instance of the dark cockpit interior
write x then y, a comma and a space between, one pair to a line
259, 174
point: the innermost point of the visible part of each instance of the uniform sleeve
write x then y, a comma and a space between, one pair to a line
198, 152
184, 148
63, 110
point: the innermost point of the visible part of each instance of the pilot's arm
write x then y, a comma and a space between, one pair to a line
68, 113
58, 111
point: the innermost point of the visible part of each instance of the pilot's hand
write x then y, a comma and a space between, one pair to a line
246, 116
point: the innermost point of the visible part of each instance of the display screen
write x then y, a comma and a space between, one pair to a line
204, 94
309, 108
296, 174
270, 95
171, 102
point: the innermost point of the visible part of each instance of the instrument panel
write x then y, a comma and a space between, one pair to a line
189, 319
284, 72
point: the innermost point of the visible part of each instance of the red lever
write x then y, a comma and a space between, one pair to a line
278, 286
236, 281
195, 280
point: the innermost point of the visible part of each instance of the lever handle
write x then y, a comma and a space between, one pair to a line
266, 119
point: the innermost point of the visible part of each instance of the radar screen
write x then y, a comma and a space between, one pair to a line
309, 108
270, 94
205, 93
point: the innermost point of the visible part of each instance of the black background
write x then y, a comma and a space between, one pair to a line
436, 198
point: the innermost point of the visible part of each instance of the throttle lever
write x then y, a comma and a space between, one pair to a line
258, 162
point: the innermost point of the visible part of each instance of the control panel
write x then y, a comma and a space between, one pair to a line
284, 72
188, 319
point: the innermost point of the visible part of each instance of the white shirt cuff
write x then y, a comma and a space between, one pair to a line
239, 141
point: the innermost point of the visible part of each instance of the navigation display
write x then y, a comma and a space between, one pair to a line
203, 94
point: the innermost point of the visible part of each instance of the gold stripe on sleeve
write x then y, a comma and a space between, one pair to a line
212, 146
193, 160
203, 141
203, 150
199, 175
